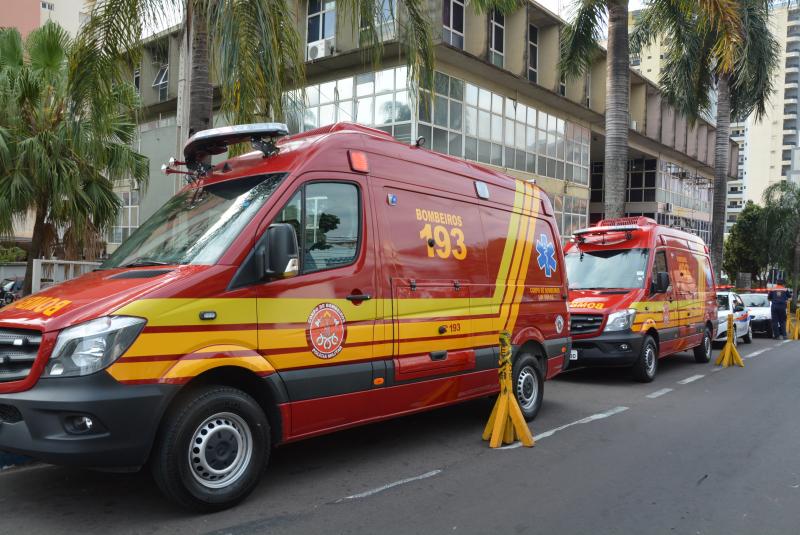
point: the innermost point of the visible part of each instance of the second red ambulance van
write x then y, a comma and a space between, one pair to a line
639, 291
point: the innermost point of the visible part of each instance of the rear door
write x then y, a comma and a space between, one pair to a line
317, 328
434, 254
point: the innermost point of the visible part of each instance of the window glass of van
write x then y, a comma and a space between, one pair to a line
606, 268
197, 225
327, 224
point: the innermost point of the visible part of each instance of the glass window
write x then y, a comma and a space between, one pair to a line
331, 226
197, 225
614, 268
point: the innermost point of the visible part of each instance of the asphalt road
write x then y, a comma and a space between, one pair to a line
699, 450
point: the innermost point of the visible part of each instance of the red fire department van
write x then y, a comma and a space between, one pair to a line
329, 279
639, 291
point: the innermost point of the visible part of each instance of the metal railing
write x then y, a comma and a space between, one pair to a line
49, 272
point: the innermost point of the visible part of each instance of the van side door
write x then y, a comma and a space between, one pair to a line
317, 328
665, 304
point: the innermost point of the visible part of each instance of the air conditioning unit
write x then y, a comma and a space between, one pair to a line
317, 50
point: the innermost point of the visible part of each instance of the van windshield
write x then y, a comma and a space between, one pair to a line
197, 225
614, 268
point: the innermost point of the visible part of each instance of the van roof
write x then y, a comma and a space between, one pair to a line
644, 231
330, 143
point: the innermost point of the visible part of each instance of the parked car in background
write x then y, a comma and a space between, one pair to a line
760, 311
10, 290
731, 303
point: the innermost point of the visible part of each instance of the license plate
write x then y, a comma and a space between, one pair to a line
573, 354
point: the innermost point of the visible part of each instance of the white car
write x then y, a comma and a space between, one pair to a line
731, 303
760, 311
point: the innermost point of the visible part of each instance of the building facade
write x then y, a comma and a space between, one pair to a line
27, 15
497, 99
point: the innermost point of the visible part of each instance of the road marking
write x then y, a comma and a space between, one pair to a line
388, 486
757, 353
551, 432
659, 393
785, 342
717, 369
691, 379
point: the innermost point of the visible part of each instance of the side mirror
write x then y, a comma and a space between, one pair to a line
277, 256
738, 308
661, 282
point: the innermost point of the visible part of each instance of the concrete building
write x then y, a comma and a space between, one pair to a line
27, 15
497, 99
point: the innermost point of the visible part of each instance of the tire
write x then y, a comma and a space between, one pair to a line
217, 418
646, 366
528, 382
702, 353
748, 338
8, 299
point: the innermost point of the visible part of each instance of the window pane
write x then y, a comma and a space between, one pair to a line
345, 88
331, 226
440, 140
329, 24
440, 83
471, 121
471, 148
384, 81
456, 89
498, 38
440, 111
313, 6
364, 112
455, 115
312, 95
455, 144
326, 115
484, 99
384, 109
345, 111
365, 84
326, 92
471, 95
484, 124
402, 110
458, 17
497, 128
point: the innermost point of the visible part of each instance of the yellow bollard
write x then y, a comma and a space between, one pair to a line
730, 355
790, 325
506, 423
795, 333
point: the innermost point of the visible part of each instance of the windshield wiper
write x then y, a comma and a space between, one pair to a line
144, 262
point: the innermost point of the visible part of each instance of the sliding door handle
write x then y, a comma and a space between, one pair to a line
357, 298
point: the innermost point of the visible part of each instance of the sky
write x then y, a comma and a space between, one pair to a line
553, 5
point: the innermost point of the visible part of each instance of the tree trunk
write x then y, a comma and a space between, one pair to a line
722, 156
201, 92
36, 249
617, 115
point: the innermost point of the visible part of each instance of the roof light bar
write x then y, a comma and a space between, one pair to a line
604, 229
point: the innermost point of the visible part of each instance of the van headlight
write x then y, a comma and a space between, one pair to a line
620, 321
92, 346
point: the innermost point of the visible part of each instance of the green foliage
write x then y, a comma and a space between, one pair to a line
782, 207
700, 49
747, 245
66, 132
11, 254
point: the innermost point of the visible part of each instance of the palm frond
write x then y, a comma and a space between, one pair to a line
580, 37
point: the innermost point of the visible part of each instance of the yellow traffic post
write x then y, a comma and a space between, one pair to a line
506, 424
795, 333
730, 355
790, 325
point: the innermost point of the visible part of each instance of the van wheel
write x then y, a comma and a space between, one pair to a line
528, 383
702, 353
645, 368
212, 449
748, 338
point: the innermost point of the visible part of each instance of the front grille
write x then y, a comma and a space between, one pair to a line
585, 323
9, 414
18, 350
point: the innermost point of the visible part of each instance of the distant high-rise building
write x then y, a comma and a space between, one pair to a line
27, 15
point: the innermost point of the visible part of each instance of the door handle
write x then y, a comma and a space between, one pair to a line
438, 355
357, 298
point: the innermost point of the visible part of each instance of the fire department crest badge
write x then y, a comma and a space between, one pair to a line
327, 330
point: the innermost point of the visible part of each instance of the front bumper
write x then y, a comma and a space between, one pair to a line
39, 422
608, 349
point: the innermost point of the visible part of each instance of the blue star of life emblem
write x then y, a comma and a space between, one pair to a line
546, 255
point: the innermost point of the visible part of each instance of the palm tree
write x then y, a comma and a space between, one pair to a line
782, 200
256, 52
702, 57
579, 47
66, 133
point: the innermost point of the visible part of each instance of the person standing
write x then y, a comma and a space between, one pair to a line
778, 299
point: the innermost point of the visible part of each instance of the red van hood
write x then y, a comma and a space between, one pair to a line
91, 296
600, 301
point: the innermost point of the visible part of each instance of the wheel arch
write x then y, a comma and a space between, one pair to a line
267, 391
